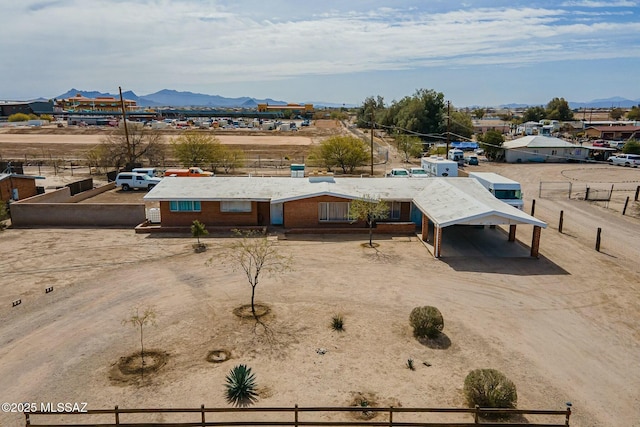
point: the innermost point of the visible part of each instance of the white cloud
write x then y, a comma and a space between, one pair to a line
594, 3
152, 44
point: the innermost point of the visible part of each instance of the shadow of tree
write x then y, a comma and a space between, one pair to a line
441, 342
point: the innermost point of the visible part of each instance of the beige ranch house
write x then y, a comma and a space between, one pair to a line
320, 204
537, 148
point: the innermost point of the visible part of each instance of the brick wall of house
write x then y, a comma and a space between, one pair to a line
209, 215
304, 214
26, 188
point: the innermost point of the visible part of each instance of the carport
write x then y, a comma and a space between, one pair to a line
458, 201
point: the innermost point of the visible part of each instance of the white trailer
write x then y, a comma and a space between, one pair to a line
456, 155
505, 189
438, 166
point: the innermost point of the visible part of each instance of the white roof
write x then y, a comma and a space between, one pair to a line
446, 201
538, 141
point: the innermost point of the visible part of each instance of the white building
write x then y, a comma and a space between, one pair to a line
537, 148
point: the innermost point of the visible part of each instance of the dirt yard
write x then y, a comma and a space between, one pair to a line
565, 327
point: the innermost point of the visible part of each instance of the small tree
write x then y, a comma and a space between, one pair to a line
196, 149
255, 254
19, 117
491, 142
634, 113
616, 113
241, 386
198, 229
140, 320
346, 152
489, 388
409, 146
426, 321
368, 209
631, 147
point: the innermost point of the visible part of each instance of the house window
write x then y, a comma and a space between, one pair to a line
184, 206
394, 210
235, 206
333, 211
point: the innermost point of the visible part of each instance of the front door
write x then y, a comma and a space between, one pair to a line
277, 216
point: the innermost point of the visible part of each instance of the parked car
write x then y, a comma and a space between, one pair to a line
134, 180
418, 173
631, 160
471, 160
398, 173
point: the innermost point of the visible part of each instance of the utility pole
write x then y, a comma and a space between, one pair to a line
372, 142
126, 132
448, 127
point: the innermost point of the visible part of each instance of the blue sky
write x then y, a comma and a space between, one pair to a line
476, 52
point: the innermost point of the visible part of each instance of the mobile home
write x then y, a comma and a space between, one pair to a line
505, 189
438, 166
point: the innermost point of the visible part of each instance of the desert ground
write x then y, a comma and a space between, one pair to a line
564, 327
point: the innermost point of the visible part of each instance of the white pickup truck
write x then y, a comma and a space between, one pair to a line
133, 180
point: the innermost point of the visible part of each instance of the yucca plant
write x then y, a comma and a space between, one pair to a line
337, 323
241, 386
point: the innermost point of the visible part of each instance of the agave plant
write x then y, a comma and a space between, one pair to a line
241, 386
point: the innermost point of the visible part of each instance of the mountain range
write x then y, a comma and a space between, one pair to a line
173, 98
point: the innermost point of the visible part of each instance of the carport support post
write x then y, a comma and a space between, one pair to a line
535, 241
425, 228
512, 233
437, 242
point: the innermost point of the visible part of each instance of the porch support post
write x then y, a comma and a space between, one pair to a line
535, 241
512, 233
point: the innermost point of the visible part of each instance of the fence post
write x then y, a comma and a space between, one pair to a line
570, 188
202, 415
476, 415
533, 207
390, 416
586, 194
598, 239
566, 420
635, 199
561, 221
539, 190
626, 203
295, 422
117, 416
27, 420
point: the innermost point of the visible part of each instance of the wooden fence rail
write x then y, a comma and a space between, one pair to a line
294, 420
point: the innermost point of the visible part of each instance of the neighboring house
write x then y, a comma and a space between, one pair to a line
484, 125
529, 128
17, 187
537, 148
321, 203
613, 133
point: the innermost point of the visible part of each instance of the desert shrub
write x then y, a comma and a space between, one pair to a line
241, 386
426, 321
411, 365
337, 323
489, 388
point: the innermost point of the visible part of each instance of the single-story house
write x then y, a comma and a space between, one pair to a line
321, 202
17, 187
613, 133
538, 148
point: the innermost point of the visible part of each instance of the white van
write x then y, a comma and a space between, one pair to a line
631, 160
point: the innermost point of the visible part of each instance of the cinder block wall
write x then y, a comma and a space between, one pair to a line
76, 215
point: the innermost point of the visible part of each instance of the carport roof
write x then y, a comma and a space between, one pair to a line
446, 201
451, 201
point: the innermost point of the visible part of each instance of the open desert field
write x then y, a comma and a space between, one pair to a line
564, 327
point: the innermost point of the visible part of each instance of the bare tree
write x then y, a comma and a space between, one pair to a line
140, 320
255, 255
368, 209
143, 143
